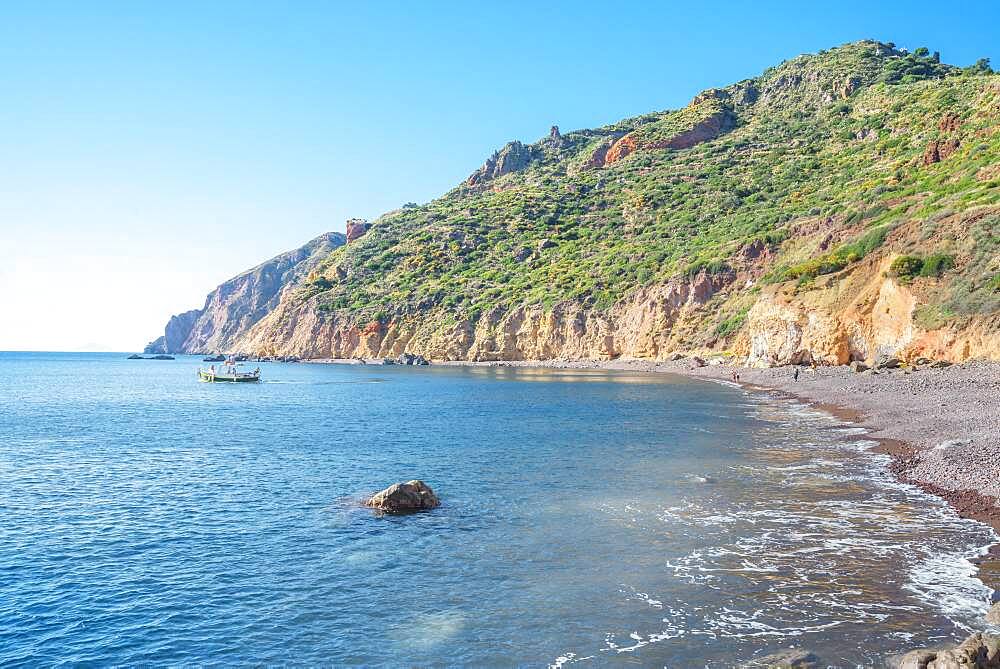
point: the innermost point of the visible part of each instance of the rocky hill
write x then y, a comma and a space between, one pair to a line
238, 304
841, 205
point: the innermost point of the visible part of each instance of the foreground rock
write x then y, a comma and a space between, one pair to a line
404, 498
793, 658
979, 651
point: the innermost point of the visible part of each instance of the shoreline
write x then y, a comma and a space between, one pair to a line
940, 427
873, 402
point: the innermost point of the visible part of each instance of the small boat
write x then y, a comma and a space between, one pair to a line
228, 373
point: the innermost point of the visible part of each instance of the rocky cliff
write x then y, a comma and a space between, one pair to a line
839, 206
239, 303
175, 333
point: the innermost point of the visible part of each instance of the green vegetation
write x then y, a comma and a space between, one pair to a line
936, 265
731, 324
839, 259
906, 267
820, 164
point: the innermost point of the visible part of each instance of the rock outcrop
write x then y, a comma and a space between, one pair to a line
939, 149
236, 305
356, 228
175, 333
406, 497
708, 129
979, 651
513, 157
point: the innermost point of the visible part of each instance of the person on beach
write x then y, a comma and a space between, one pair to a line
796, 373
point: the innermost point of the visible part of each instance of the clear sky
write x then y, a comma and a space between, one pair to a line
151, 150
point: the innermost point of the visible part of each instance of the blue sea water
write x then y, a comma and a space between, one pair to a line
589, 518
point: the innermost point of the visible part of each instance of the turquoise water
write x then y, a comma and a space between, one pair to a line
589, 518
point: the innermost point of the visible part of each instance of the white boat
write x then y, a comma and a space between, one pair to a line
230, 372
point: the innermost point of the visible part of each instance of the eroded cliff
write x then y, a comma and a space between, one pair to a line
236, 305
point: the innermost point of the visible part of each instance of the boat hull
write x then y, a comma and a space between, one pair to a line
228, 378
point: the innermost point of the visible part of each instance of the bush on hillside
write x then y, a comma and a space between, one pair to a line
937, 264
906, 267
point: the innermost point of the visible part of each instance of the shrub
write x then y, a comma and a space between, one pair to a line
937, 264
839, 259
731, 324
709, 266
906, 267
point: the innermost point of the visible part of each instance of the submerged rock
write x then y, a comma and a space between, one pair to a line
793, 658
406, 497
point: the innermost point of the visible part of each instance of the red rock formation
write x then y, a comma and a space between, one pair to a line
599, 155
939, 149
708, 129
356, 227
372, 328
949, 123
620, 149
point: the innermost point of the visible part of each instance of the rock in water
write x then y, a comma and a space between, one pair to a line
404, 498
979, 651
793, 658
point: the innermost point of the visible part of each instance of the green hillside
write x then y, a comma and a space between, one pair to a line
797, 173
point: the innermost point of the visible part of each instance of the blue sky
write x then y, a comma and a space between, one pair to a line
149, 151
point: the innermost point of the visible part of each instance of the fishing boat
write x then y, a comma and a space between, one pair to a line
228, 373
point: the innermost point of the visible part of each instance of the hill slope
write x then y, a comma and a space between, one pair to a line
235, 306
766, 219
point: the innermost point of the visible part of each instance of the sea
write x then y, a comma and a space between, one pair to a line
589, 518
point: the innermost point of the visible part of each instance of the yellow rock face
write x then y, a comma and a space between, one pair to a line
857, 316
